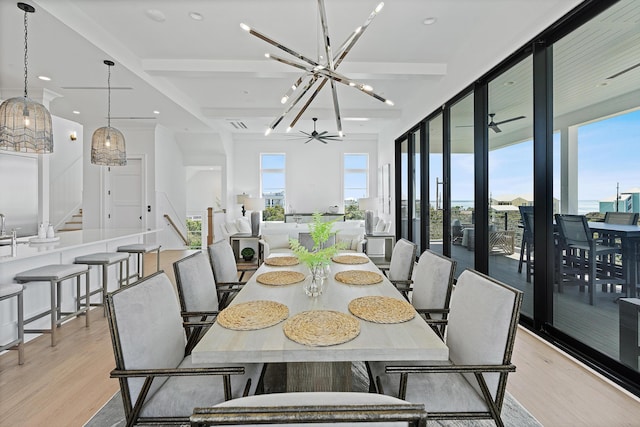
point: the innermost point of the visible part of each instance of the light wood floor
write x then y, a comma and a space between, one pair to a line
65, 385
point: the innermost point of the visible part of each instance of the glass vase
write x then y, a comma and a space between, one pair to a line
314, 283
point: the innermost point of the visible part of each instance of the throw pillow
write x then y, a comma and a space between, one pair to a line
380, 226
243, 225
231, 227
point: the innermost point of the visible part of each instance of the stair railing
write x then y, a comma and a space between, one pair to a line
176, 229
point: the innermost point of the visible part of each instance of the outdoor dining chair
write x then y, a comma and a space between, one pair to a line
583, 259
526, 247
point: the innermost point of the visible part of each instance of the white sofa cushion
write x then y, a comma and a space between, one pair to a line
243, 225
380, 226
231, 228
351, 242
276, 241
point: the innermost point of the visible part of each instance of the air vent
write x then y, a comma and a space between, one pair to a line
237, 124
132, 118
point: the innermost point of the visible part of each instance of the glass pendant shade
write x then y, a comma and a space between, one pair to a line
25, 126
107, 147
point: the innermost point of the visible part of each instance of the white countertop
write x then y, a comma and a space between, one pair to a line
68, 240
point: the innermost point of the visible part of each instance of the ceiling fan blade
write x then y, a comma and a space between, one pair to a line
279, 45
322, 133
511, 120
308, 140
306, 133
495, 128
626, 70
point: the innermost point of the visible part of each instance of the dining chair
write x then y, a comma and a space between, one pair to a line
481, 331
225, 271
158, 383
432, 287
583, 259
403, 258
526, 247
301, 408
198, 296
620, 218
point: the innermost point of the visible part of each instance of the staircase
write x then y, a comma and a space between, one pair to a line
74, 224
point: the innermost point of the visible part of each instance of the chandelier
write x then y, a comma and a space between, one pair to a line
318, 72
25, 125
107, 143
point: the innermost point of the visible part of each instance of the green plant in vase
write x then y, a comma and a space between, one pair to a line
319, 257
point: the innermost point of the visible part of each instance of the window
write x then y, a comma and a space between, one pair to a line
272, 182
356, 177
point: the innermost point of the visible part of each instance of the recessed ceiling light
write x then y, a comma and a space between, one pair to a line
155, 15
196, 16
156, 112
45, 78
602, 84
76, 112
430, 20
509, 83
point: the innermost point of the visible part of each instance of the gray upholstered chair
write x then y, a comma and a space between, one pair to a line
400, 269
158, 382
198, 296
480, 335
326, 408
624, 218
225, 271
431, 290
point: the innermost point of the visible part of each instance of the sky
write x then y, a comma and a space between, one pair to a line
608, 153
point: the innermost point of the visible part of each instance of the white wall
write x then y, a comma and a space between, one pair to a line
65, 170
314, 171
170, 194
203, 187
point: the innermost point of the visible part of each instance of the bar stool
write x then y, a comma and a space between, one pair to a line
55, 274
105, 259
9, 291
140, 249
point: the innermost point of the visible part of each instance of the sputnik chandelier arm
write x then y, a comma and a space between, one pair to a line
315, 71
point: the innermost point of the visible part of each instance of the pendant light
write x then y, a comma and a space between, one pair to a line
107, 143
25, 125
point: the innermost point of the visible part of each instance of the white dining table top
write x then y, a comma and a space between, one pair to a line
412, 340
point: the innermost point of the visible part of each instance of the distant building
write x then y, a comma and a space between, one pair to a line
628, 201
498, 203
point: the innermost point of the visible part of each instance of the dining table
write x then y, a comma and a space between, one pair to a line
629, 236
320, 367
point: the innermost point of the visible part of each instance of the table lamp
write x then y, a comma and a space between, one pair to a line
368, 205
240, 199
255, 205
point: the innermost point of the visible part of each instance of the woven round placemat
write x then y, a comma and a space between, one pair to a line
320, 328
278, 278
350, 259
379, 309
358, 277
281, 261
252, 315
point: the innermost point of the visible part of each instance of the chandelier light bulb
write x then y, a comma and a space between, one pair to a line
379, 7
284, 99
289, 129
367, 88
340, 134
245, 27
389, 102
267, 132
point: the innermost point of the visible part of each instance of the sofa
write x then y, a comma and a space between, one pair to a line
276, 236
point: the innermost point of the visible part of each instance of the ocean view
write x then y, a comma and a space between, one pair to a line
584, 206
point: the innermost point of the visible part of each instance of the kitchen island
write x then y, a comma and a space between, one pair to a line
64, 250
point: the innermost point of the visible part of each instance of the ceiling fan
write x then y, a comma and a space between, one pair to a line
494, 126
323, 137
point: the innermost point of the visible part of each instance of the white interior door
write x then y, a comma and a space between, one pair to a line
125, 196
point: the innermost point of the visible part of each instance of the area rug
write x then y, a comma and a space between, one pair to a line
513, 413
